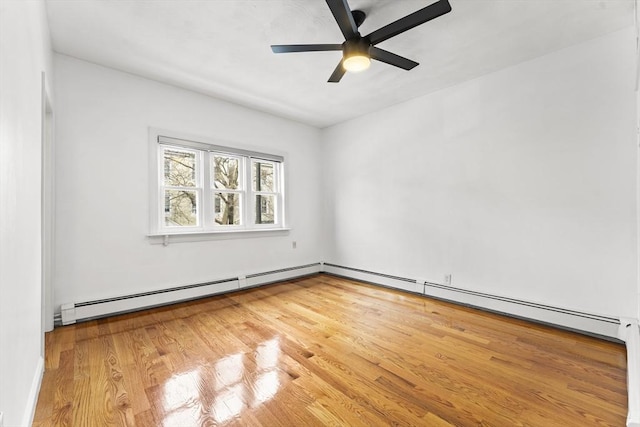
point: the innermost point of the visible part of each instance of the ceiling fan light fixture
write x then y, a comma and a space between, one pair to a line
356, 63
355, 54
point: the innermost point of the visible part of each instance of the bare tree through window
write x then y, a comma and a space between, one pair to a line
227, 183
180, 194
205, 189
263, 181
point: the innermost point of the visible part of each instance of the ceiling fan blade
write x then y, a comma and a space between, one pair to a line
423, 15
343, 16
337, 74
290, 48
391, 58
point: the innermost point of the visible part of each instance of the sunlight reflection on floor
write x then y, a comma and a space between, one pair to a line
240, 383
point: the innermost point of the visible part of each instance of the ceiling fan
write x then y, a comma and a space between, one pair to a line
357, 51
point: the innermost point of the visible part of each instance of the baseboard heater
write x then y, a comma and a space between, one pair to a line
588, 323
629, 332
89, 310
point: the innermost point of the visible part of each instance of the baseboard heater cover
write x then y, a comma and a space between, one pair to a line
592, 324
629, 332
386, 280
89, 310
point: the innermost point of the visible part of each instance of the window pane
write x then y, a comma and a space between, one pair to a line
226, 175
265, 209
179, 168
180, 208
263, 176
227, 208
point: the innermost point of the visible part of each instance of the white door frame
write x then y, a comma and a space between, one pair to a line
47, 210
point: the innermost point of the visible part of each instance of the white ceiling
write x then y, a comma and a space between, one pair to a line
221, 47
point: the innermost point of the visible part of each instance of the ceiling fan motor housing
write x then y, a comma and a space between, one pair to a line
356, 47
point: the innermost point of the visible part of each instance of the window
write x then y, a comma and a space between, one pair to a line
263, 185
227, 188
208, 188
179, 186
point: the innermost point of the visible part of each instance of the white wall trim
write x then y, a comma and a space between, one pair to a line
201, 236
636, 20
34, 391
47, 187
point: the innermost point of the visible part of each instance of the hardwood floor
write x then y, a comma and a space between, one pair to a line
327, 351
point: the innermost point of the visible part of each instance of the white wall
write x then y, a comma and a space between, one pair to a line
102, 212
521, 183
25, 53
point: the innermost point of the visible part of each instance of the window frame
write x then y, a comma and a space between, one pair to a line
205, 150
241, 191
276, 193
197, 188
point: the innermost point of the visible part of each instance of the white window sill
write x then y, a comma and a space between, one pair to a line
200, 236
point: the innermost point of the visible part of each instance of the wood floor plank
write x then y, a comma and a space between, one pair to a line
324, 350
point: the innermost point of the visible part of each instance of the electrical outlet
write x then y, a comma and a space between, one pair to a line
294, 244
447, 279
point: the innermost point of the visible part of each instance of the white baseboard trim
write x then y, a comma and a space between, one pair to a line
588, 323
34, 391
83, 311
629, 332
